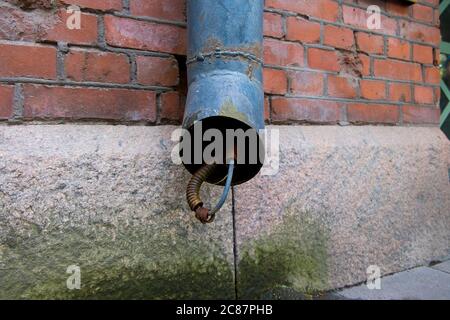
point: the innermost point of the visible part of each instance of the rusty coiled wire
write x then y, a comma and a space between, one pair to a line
193, 192
196, 181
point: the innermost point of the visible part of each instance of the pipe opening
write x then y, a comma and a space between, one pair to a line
248, 149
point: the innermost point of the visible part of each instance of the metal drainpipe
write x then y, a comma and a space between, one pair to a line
224, 63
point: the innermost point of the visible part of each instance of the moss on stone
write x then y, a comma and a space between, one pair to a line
133, 263
293, 255
160, 259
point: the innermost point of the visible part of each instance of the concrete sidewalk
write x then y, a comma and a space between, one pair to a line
422, 283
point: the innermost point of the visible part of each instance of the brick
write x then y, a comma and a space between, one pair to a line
338, 37
103, 5
420, 115
144, 35
157, 71
365, 64
434, 3
32, 5
423, 54
437, 57
397, 8
354, 64
307, 83
171, 107
437, 95
17, 24
162, 9
370, 43
422, 13
373, 90
423, 95
6, 101
366, 3
86, 65
302, 30
305, 110
86, 35
273, 25
400, 92
358, 17
399, 49
432, 75
372, 113
437, 18
283, 53
17, 60
342, 87
322, 9
275, 81
45, 102
323, 59
266, 109
397, 70
420, 32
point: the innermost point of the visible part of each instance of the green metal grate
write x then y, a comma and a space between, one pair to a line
444, 10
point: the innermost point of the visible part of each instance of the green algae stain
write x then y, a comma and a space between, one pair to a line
161, 261
138, 263
293, 256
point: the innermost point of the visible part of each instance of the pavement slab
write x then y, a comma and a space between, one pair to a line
443, 266
421, 283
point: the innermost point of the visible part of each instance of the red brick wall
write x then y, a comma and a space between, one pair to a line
126, 64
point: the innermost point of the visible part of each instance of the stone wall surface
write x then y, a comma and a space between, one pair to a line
345, 199
109, 200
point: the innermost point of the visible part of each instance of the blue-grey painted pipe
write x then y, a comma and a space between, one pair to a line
224, 63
